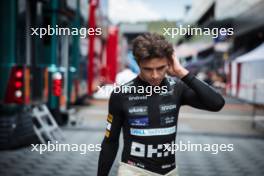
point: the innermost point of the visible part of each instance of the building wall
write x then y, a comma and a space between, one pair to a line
233, 8
198, 8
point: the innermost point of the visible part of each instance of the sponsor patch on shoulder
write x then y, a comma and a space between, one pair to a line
139, 121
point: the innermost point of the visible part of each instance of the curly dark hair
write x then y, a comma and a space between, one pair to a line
151, 45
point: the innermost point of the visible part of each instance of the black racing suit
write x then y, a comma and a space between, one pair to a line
149, 122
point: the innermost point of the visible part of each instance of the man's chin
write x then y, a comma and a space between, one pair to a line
154, 83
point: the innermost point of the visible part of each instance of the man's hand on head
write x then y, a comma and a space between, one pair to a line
176, 69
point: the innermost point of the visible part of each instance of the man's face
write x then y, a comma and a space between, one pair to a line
154, 70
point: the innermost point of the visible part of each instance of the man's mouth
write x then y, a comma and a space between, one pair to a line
155, 82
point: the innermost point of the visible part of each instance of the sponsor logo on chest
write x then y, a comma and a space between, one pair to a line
153, 131
167, 120
150, 151
167, 108
139, 121
131, 98
138, 110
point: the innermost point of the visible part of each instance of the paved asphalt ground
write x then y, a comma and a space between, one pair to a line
233, 125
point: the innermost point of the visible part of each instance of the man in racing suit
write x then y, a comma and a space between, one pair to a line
149, 121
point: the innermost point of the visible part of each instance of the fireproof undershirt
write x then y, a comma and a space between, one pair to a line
149, 122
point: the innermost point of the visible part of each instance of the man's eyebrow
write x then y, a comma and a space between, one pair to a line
161, 67
150, 68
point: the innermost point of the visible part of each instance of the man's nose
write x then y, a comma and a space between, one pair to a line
155, 74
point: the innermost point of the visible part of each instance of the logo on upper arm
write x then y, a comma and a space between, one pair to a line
107, 133
110, 118
108, 125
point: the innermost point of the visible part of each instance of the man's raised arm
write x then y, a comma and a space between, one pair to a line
197, 93
200, 95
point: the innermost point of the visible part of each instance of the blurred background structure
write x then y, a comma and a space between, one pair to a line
63, 72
